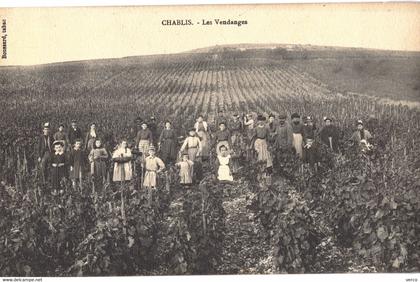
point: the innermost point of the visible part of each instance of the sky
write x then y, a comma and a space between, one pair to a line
46, 35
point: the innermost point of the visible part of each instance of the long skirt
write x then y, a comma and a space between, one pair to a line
263, 155
122, 172
144, 147
168, 151
76, 173
185, 175
297, 144
57, 174
98, 169
223, 173
150, 179
205, 148
222, 143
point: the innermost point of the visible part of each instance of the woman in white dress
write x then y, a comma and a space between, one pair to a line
224, 172
122, 163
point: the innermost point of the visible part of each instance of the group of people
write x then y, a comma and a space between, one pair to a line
256, 139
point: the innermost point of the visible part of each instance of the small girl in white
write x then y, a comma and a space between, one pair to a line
224, 173
185, 170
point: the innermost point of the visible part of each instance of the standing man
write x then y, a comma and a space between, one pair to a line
44, 150
74, 133
330, 135
153, 165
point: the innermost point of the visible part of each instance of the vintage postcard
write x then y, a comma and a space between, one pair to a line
210, 139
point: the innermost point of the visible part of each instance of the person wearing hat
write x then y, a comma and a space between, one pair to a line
297, 133
329, 134
91, 137
97, 158
203, 131
261, 135
58, 163
61, 135
361, 136
144, 139
153, 165
192, 145
123, 170
74, 133
45, 147
77, 162
167, 144
185, 170
283, 140
222, 137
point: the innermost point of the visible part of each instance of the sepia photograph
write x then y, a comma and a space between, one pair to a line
210, 140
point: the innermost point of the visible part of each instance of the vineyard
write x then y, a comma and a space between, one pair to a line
358, 214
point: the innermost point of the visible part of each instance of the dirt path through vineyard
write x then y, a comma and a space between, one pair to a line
245, 249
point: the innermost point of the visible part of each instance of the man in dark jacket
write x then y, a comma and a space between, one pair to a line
74, 133
45, 147
330, 134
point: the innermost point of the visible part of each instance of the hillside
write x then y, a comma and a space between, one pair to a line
385, 74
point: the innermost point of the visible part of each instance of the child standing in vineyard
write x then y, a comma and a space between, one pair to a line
58, 165
153, 165
77, 161
185, 170
192, 144
224, 172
